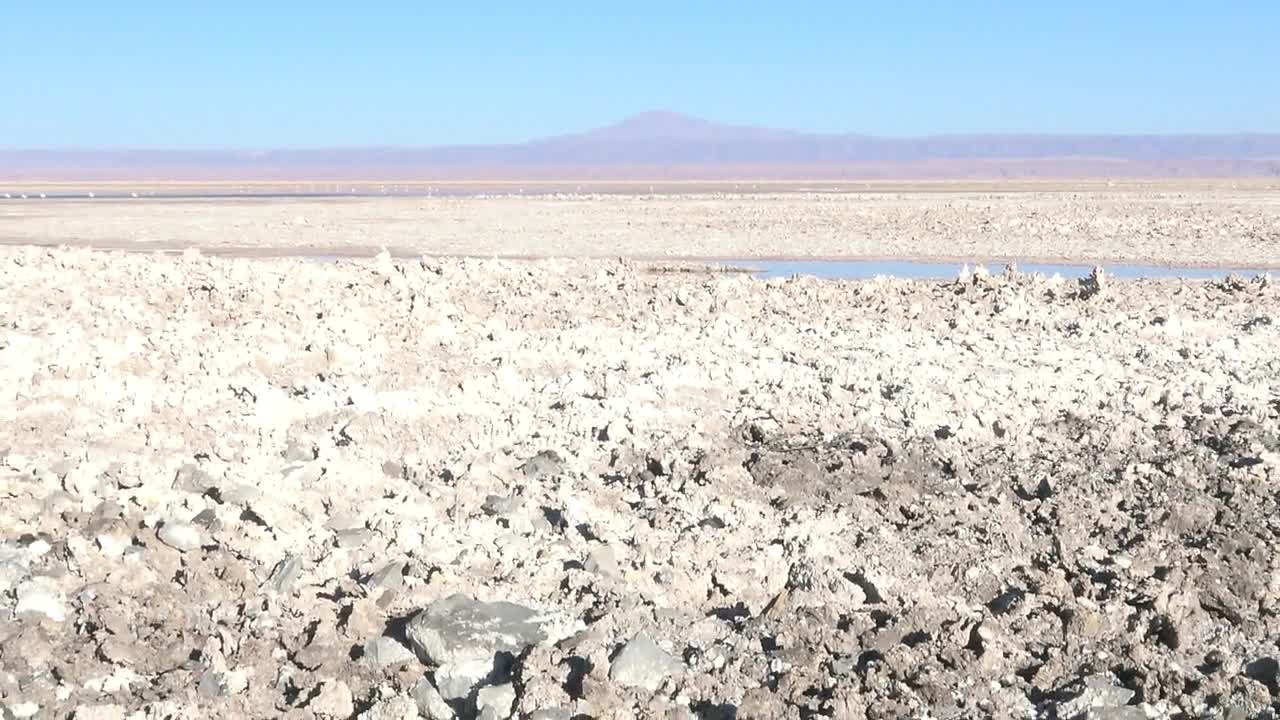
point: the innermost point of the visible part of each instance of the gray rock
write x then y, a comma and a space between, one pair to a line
498, 698
642, 663
456, 680
460, 628
464, 637
353, 537
180, 536
383, 651
1100, 698
207, 683
430, 704
544, 464
320, 649
207, 519
193, 479
1265, 670
388, 577
283, 574
1014, 702
501, 505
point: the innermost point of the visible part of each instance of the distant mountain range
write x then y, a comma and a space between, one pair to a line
664, 145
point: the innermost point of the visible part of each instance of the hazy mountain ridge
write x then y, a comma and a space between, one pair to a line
670, 145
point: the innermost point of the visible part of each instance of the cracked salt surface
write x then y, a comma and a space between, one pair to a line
1002, 495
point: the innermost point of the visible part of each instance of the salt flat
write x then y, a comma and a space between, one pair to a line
384, 489
1164, 224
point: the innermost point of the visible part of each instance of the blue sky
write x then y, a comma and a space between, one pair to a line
136, 73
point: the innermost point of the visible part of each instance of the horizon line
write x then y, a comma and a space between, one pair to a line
684, 119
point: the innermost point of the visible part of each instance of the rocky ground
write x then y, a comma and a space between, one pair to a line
1214, 225
444, 488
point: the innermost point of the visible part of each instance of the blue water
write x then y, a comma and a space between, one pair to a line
927, 270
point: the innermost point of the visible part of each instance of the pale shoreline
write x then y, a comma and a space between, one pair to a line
1169, 227
721, 263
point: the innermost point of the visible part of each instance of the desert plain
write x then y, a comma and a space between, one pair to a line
1208, 223
474, 456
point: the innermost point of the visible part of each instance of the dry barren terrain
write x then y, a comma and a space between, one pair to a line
461, 488
234, 484
1212, 224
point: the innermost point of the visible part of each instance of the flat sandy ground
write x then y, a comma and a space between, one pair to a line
1188, 224
553, 489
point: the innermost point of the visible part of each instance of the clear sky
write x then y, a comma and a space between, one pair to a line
274, 73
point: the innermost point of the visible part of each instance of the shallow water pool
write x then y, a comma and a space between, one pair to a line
930, 270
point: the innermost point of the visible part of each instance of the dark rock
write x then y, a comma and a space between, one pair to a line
1265, 670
